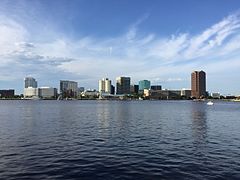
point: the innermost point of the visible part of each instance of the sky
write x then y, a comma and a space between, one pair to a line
86, 40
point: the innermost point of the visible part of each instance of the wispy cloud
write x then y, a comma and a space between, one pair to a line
132, 33
160, 59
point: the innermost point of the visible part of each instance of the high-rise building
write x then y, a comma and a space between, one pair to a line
198, 84
104, 85
144, 84
112, 89
68, 89
30, 82
123, 85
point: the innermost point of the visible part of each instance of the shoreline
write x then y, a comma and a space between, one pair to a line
17, 99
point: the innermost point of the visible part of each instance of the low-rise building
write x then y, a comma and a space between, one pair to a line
162, 94
47, 93
186, 93
134, 89
81, 89
7, 93
90, 94
156, 87
216, 95
30, 92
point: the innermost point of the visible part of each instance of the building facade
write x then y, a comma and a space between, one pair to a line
68, 89
7, 93
162, 94
112, 89
186, 93
47, 93
156, 87
104, 86
144, 84
30, 82
81, 89
90, 93
123, 85
30, 92
134, 89
216, 95
198, 84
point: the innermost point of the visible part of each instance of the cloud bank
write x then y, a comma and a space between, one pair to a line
163, 60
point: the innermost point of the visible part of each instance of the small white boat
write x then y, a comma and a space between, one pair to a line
210, 103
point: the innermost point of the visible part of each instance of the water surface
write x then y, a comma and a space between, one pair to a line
119, 140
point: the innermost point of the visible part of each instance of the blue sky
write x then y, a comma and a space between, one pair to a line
86, 40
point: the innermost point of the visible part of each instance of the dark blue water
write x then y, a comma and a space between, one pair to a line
119, 140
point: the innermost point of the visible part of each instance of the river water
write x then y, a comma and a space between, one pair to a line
119, 140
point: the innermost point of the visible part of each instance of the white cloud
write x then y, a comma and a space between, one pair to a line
167, 60
11, 32
212, 38
171, 48
132, 33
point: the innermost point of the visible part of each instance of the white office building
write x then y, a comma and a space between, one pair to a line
104, 85
216, 95
30, 92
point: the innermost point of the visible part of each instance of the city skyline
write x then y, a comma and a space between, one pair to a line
84, 41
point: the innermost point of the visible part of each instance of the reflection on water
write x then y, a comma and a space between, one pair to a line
119, 140
104, 113
114, 119
123, 115
199, 122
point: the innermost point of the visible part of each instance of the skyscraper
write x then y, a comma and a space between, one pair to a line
198, 84
104, 85
68, 89
112, 89
123, 85
30, 82
144, 84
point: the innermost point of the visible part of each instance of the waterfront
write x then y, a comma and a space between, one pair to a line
119, 140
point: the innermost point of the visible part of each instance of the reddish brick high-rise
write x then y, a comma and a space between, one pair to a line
198, 83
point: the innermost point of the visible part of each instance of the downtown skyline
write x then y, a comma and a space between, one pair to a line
87, 40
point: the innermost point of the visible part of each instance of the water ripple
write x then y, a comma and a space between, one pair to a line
119, 140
